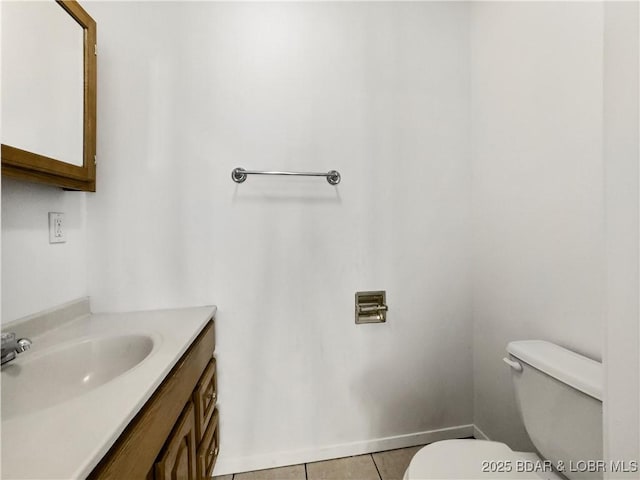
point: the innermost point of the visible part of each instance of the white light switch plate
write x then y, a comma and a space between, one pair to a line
56, 228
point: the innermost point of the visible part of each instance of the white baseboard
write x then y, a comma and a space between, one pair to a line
225, 466
479, 434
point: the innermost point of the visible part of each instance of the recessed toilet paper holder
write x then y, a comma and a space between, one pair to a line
371, 307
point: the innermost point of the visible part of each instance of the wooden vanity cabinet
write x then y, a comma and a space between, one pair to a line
175, 436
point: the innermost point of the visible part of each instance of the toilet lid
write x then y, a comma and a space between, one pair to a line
465, 459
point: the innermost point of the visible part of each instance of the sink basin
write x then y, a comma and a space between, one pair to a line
68, 370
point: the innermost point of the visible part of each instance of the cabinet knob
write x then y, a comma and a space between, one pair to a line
211, 396
213, 452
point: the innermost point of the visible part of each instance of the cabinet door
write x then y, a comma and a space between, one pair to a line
209, 448
178, 459
204, 399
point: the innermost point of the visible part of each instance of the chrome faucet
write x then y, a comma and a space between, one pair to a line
12, 347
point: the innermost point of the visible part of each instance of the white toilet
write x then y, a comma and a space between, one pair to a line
559, 394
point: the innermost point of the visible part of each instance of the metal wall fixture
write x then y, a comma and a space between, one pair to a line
371, 307
239, 174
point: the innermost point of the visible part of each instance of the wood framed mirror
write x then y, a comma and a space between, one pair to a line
49, 93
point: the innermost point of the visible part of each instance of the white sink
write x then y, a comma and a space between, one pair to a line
68, 370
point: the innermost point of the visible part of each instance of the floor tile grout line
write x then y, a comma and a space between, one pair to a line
306, 472
376, 465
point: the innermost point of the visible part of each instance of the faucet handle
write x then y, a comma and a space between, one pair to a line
11, 347
23, 345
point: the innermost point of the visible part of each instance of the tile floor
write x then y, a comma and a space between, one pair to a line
389, 465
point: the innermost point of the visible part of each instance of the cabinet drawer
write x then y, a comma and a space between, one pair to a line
209, 448
204, 398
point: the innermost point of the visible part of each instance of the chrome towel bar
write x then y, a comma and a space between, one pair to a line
239, 175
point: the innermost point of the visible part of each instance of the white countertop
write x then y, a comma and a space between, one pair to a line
68, 440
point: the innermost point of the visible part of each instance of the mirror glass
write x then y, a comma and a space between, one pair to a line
42, 80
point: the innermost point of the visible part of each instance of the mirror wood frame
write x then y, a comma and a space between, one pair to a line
30, 166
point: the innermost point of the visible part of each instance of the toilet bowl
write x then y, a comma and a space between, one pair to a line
481, 459
559, 397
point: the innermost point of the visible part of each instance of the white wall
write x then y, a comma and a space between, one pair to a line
622, 421
536, 143
379, 92
37, 275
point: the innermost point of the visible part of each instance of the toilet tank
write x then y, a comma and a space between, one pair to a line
559, 395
